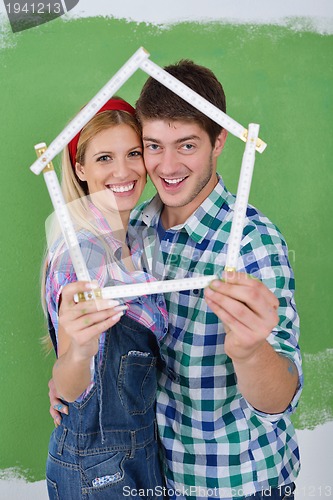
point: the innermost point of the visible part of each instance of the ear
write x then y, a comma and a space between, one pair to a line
80, 172
220, 142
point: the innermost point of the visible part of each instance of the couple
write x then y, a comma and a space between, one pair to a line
227, 359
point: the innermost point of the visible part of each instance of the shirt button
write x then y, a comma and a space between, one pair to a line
196, 291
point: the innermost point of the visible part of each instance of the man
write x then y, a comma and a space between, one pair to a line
233, 369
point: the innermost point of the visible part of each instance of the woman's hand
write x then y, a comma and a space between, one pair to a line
81, 324
57, 407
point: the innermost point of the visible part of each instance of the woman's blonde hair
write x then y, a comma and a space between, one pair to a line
75, 191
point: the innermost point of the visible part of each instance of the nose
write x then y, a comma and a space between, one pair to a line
168, 162
120, 169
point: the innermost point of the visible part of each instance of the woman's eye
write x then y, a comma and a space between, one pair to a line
135, 153
104, 158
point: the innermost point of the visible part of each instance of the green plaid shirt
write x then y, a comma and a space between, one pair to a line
216, 444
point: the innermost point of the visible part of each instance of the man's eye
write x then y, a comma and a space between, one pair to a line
152, 147
188, 147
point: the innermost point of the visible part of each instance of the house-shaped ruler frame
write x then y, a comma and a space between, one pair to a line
140, 59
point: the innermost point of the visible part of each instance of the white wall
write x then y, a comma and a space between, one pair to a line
318, 12
237, 11
315, 481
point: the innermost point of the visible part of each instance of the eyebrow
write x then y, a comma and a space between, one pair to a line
178, 141
111, 152
103, 153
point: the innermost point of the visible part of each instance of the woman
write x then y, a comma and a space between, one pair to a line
108, 440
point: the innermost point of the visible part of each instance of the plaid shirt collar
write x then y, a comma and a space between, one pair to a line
198, 224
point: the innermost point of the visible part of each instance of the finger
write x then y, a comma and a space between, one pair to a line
250, 285
230, 323
88, 307
242, 313
236, 278
244, 337
52, 388
53, 393
100, 316
55, 400
89, 332
68, 292
252, 292
60, 408
236, 309
55, 416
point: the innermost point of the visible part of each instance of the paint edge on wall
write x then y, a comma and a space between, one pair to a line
315, 479
322, 25
300, 15
315, 403
14, 485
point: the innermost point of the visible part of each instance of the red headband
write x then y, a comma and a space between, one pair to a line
111, 104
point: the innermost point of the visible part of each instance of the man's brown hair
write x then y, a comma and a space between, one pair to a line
159, 103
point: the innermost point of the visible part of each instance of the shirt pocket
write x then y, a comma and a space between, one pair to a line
137, 382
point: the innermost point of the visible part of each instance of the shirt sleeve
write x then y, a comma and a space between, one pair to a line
265, 256
61, 272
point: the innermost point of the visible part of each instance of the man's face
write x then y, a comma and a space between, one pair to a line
181, 162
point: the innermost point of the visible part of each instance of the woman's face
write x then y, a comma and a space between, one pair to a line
114, 168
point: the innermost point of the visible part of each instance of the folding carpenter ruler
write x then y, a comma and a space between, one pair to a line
63, 216
140, 59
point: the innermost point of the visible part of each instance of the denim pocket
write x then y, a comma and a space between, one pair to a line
52, 489
137, 381
63, 477
106, 472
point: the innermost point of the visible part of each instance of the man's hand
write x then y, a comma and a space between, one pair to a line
248, 310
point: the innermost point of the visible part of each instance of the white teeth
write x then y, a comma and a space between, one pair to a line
174, 181
121, 189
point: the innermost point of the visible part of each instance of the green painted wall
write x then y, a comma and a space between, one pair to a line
275, 76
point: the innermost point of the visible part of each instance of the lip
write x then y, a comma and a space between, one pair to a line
173, 187
122, 185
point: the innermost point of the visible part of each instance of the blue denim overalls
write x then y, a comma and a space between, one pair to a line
107, 447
